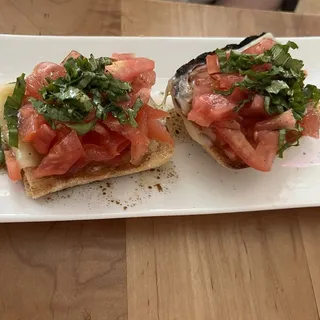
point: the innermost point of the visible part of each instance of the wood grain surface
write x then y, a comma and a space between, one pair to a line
251, 266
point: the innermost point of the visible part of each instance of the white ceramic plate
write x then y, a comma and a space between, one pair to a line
192, 183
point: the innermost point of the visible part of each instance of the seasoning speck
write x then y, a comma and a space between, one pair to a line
159, 187
125, 208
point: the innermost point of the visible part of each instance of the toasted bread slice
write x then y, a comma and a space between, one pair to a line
36, 188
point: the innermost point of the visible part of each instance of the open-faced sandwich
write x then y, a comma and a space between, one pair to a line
246, 103
84, 120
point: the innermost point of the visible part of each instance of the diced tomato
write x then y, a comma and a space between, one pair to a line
61, 132
128, 70
268, 144
261, 47
143, 94
311, 123
29, 123
210, 107
61, 157
255, 108
97, 153
100, 129
231, 124
142, 120
123, 56
79, 164
144, 80
73, 54
260, 158
158, 132
203, 83
37, 79
227, 80
14, 171
284, 120
139, 141
42, 141
154, 113
213, 65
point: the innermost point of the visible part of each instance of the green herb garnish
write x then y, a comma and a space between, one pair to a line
11, 109
84, 89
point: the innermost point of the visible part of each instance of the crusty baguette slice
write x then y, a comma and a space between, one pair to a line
36, 188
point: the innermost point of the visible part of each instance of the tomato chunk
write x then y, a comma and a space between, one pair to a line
284, 120
13, 168
29, 123
139, 141
158, 132
127, 70
311, 123
210, 107
61, 157
37, 79
144, 80
42, 141
123, 56
73, 54
260, 158
261, 47
213, 65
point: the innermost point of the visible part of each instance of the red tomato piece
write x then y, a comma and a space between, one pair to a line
144, 80
284, 120
29, 123
311, 123
203, 83
142, 120
143, 94
264, 45
128, 70
268, 144
213, 65
61, 157
43, 140
97, 153
37, 79
158, 132
226, 80
14, 171
123, 56
255, 109
259, 159
231, 124
73, 54
154, 113
210, 107
139, 141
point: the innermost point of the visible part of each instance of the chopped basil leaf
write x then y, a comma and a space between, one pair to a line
82, 128
11, 109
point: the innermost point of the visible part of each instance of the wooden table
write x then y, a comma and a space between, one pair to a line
259, 266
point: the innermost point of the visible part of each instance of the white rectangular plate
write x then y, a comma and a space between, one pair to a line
192, 183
